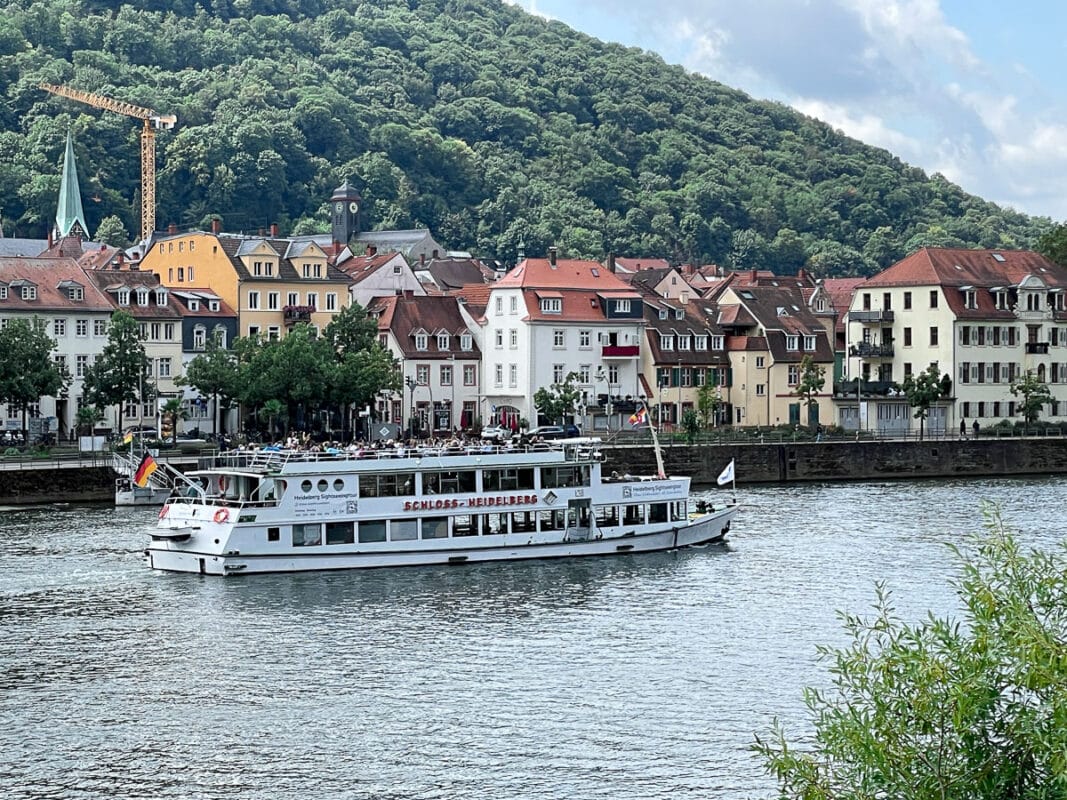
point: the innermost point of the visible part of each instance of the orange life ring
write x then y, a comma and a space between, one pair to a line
163, 511
222, 515
222, 483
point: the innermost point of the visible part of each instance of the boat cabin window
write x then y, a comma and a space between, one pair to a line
504, 480
435, 527
553, 520
390, 485
523, 521
565, 476
657, 512
679, 510
633, 515
403, 530
606, 516
452, 482
465, 525
307, 534
340, 533
372, 531
498, 523
274, 534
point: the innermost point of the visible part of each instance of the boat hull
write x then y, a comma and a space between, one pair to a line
706, 529
136, 496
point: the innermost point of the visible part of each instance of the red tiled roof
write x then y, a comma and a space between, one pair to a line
937, 266
404, 315
46, 274
538, 273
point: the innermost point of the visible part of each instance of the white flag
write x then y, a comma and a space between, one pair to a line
727, 475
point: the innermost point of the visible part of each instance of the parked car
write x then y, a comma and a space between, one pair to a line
496, 433
555, 431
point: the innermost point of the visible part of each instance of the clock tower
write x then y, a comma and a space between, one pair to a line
345, 208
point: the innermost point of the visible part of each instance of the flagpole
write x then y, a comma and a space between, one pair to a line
655, 444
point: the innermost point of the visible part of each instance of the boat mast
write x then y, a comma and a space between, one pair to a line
655, 443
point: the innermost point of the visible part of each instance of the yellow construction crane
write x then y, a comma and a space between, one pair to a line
152, 122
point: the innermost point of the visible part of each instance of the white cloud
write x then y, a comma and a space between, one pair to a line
867, 127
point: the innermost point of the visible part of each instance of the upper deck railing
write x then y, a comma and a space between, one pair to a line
274, 459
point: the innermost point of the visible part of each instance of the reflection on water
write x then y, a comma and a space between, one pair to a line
623, 677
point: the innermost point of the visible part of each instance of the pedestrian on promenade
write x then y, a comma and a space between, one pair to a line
975, 426
963, 429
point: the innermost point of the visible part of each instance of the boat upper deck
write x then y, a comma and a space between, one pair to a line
279, 461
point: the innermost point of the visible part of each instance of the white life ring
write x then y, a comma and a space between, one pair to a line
222, 515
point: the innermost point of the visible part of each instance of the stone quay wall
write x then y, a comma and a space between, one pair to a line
755, 463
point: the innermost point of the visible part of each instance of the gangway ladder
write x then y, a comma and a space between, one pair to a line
165, 477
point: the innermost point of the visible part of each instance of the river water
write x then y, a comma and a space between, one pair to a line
623, 677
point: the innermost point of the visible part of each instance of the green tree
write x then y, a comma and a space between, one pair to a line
172, 411
922, 391
111, 231
27, 371
295, 370
557, 401
1053, 245
269, 412
214, 374
118, 377
86, 418
691, 425
811, 383
968, 708
709, 401
1035, 394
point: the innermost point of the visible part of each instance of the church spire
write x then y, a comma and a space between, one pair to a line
70, 219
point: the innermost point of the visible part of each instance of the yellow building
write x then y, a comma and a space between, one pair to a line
273, 283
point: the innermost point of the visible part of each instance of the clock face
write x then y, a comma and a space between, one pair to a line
340, 207
353, 207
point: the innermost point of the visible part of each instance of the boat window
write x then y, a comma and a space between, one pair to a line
607, 515
435, 527
565, 476
307, 534
274, 534
403, 530
373, 531
680, 510
552, 520
338, 485
523, 521
340, 533
633, 515
465, 525
498, 523
451, 482
392, 485
504, 480
305, 486
657, 512
323, 485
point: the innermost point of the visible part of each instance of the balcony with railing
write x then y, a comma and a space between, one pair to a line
1037, 348
621, 351
294, 315
869, 315
869, 350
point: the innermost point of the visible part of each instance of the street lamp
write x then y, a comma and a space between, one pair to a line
411, 384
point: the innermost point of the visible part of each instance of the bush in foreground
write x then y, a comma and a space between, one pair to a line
969, 708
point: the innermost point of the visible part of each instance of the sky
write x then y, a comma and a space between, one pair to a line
973, 89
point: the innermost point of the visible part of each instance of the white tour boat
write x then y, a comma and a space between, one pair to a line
288, 510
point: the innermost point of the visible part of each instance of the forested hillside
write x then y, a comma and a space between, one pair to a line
490, 126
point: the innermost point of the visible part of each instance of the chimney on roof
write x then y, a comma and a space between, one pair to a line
372, 250
611, 262
688, 270
552, 256
802, 275
172, 228
422, 259
119, 258
409, 294
752, 276
216, 225
274, 230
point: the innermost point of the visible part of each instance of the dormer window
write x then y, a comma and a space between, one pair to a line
552, 305
29, 292
679, 313
466, 341
622, 306
442, 341
792, 343
702, 342
717, 343
809, 343
76, 292
142, 297
666, 342
663, 313
213, 305
124, 297
194, 305
683, 342
161, 297
970, 298
421, 341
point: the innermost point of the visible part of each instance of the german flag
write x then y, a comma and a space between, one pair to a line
144, 471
